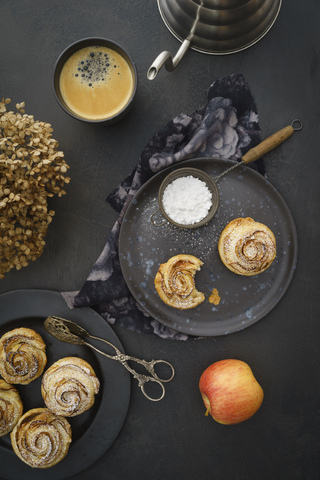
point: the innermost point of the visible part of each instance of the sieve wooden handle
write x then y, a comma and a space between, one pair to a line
268, 144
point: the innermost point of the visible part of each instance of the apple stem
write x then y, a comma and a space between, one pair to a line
207, 412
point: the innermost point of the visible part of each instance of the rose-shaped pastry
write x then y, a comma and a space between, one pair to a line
11, 407
247, 247
41, 438
69, 386
175, 282
22, 356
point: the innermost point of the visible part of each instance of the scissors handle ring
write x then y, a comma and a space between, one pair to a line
151, 379
155, 376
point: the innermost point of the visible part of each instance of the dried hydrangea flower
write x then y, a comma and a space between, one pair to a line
31, 170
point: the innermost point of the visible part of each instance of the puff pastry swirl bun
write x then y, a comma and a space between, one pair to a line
41, 438
175, 282
11, 407
247, 247
69, 386
22, 356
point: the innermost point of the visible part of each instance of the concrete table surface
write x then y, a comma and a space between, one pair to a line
173, 439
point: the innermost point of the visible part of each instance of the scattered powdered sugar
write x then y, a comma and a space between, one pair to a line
187, 200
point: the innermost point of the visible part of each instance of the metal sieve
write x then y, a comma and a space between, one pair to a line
184, 172
251, 156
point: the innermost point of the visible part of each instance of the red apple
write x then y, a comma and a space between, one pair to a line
230, 391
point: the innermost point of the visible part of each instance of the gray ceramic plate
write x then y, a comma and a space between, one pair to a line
93, 431
244, 300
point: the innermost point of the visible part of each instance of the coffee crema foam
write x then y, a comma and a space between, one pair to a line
96, 83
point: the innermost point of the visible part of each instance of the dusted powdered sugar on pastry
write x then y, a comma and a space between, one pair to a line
41, 438
11, 407
69, 386
247, 247
22, 356
175, 282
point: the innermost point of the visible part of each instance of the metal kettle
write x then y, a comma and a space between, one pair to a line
215, 27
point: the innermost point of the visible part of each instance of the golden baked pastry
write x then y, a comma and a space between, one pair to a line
22, 356
215, 297
41, 438
175, 282
69, 386
247, 247
11, 407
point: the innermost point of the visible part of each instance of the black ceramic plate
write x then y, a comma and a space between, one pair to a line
244, 300
93, 431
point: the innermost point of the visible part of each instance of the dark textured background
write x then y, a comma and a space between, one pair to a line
173, 439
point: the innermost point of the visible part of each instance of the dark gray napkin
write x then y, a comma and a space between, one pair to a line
226, 127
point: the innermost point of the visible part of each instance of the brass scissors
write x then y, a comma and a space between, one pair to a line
69, 332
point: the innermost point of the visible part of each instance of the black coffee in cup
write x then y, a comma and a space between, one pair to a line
96, 82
